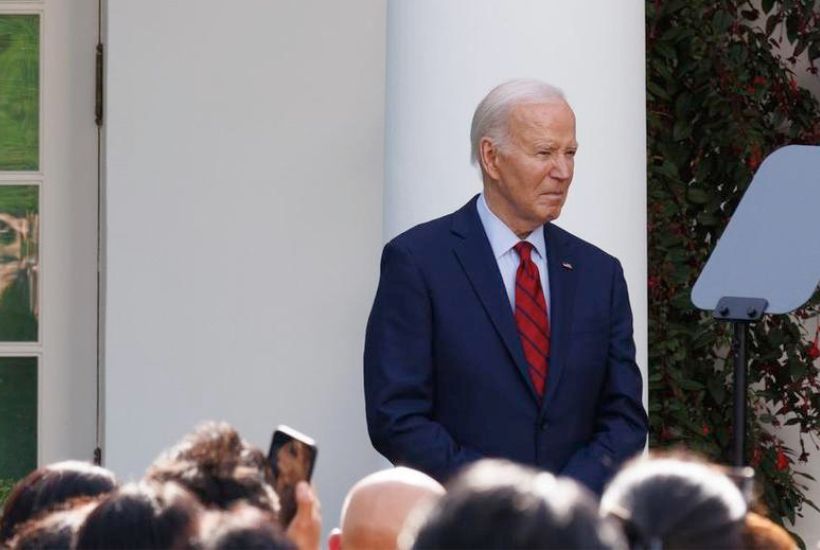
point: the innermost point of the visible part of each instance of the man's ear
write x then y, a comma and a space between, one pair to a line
334, 540
488, 157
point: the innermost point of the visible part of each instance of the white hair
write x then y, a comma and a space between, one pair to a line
491, 117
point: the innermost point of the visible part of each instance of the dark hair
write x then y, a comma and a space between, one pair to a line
244, 527
498, 504
56, 529
49, 486
675, 503
219, 467
142, 515
48, 532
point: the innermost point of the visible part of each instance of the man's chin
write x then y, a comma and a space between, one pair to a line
549, 215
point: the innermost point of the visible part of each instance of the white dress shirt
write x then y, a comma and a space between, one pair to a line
502, 240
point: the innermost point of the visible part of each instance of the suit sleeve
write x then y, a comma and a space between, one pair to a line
399, 372
621, 423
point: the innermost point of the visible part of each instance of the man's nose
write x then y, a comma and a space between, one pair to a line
562, 169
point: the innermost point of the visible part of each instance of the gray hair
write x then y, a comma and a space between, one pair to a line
491, 117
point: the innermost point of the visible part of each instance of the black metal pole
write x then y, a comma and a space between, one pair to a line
739, 427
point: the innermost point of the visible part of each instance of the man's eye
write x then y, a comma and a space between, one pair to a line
544, 153
571, 153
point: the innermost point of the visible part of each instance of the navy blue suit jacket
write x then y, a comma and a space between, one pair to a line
445, 377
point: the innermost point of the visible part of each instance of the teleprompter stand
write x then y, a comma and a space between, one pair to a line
767, 261
740, 312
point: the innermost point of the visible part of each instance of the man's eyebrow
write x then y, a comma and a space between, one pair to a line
553, 145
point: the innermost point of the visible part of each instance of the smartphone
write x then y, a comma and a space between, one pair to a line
292, 456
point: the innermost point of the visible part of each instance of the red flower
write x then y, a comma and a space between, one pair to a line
756, 457
782, 461
814, 348
704, 429
755, 156
793, 84
759, 81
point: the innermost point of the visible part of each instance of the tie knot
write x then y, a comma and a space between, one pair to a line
523, 249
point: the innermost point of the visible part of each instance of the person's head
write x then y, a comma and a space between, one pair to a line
243, 527
675, 503
377, 506
498, 504
761, 533
50, 486
219, 467
142, 515
523, 139
54, 529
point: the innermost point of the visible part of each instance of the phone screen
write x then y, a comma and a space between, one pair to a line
292, 457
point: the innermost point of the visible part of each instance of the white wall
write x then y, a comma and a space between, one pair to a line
244, 169
443, 57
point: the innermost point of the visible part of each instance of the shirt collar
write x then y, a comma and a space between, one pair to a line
501, 237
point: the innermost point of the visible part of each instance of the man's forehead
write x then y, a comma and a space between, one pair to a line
543, 121
541, 112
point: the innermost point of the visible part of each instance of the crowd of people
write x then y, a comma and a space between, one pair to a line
213, 490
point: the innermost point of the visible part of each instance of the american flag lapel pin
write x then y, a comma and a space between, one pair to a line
566, 265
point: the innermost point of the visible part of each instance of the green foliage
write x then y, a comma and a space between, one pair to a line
18, 200
18, 416
19, 91
19, 240
18, 323
719, 99
6, 486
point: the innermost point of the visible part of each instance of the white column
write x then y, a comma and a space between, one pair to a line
244, 169
69, 233
444, 56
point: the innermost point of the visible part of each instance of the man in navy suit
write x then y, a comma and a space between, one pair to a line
495, 333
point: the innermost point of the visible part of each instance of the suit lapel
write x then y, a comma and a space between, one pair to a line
476, 257
562, 281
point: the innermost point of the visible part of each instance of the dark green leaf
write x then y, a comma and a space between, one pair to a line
771, 23
690, 385
697, 196
751, 15
814, 50
797, 370
681, 130
716, 389
721, 21
792, 23
657, 91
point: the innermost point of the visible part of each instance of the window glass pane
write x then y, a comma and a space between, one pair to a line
19, 263
19, 91
18, 418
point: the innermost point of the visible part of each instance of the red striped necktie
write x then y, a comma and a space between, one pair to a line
531, 317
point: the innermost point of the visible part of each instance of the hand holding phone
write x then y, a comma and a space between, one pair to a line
292, 457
